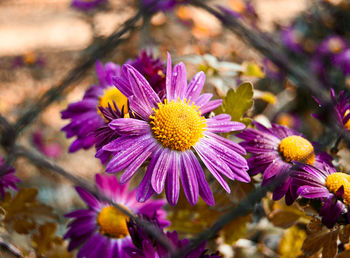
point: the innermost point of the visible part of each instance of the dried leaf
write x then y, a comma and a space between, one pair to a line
344, 234
23, 211
315, 242
286, 216
236, 103
330, 246
314, 226
292, 242
236, 229
45, 238
344, 254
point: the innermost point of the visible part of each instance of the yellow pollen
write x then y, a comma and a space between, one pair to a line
177, 125
297, 148
113, 94
335, 181
112, 222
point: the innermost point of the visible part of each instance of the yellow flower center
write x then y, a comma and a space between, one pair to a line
112, 222
178, 125
347, 124
297, 148
335, 181
113, 94
335, 45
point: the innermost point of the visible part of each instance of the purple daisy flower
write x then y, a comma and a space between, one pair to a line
325, 183
273, 151
51, 150
170, 131
101, 230
146, 247
86, 5
85, 115
7, 177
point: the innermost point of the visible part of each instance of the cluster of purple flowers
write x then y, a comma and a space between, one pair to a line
146, 112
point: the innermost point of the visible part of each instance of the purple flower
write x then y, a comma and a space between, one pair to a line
52, 150
292, 38
333, 44
146, 247
85, 115
272, 70
7, 177
85, 5
169, 132
101, 230
160, 5
341, 109
289, 120
325, 183
342, 60
273, 151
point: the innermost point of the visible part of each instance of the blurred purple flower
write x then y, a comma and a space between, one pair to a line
161, 5
342, 60
289, 120
7, 177
86, 5
52, 150
292, 39
333, 44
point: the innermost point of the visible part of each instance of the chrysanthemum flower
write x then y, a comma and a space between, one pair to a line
7, 177
85, 5
146, 247
85, 115
323, 182
170, 131
342, 60
273, 151
101, 230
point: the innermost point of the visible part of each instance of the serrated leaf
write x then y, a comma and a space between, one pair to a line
322, 240
286, 216
291, 242
45, 238
236, 229
253, 70
344, 234
237, 103
330, 247
23, 211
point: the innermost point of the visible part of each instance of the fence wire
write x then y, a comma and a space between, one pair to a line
262, 43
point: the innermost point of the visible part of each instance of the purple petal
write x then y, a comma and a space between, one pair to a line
145, 190
195, 87
130, 126
204, 188
312, 192
210, 106
223, 126
172, 181
170, 91
229, 144
179, 80
160, 171
88, 198
136, 164
122, 85
188, 178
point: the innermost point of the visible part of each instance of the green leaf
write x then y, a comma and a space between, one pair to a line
236, 103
